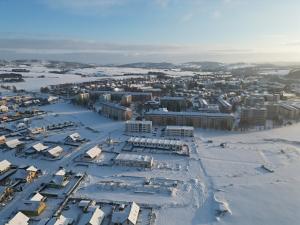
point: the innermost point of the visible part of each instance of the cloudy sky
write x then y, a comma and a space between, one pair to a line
119, 31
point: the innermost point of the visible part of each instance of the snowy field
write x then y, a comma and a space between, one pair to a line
233, 175
33, 80
183, 189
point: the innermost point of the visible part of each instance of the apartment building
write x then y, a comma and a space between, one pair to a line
254, 116
219, 121
175, 104
183, 131
115, 111
134, 126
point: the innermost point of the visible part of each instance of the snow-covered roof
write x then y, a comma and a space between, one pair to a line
39, 147
138, 122
93, 152
32, 168
155, 141
61, 172
4, 165
61, 220
13, 143
37, 197
2, 138
134, 157
74, 136
94, 216
191, 114
56, 151
179, 128
130, 213
84, 203
19, 219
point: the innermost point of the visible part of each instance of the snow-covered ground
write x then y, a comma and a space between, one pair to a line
33, 80
184, 190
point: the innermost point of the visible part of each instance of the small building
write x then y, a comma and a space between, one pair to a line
39, 147
36, 130
61, 220
183, 131
163, 144
26, 174
3, 109
4, 166
32, 208
133, 160
60, 179
2, 140
32, 173
74, 138
127, 216
55, 152
19, 219
136, 126
13, 144
93, 216
38, 197
93, 153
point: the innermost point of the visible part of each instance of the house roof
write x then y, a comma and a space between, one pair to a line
56, 151
28, 205
74, 136
94, 216
13, 143
37, 197
19, 219
39, 147
32, 168
61, 172
93, 152
2, 138
61, 220
131, 213
4, 165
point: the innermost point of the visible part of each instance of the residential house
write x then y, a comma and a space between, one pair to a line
93, 153
32, 208
127, 216
19, 219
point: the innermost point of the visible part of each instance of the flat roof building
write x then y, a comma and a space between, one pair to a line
127, 216
133, 160
163, 144
115, 111
135, 126
219, 121
183, 131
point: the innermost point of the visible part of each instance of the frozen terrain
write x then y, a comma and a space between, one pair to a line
182, 189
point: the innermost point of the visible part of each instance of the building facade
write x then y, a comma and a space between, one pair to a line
219, 121
163, 144
134, 126
183, 131
175, 104
254, 116
115, 111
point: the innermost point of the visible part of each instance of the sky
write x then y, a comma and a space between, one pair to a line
122, 31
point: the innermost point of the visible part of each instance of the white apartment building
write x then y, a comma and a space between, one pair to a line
183, 131
133, 126
163, 144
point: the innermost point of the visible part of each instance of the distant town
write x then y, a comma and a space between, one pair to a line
131, 144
